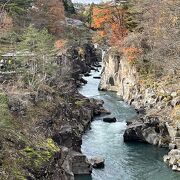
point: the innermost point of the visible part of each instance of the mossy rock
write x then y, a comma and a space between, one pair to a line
38, 156
80, 103
22, 157
18, 175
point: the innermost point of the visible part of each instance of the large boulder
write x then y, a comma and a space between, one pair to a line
97, 162
173, 159
109, 119
96, 77
134, 133
148, 130
66, 137
98, 107
172, 146
87, 74
80, 164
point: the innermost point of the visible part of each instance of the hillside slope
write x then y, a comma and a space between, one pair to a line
143, 67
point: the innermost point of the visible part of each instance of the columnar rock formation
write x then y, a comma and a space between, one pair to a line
157, 102
118, 75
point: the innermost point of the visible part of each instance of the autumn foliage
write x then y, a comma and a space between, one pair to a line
60, 43
131, 53
109, 22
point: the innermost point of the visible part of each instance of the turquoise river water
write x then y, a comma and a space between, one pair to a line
123, 161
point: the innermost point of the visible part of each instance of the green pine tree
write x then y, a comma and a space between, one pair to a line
36, 56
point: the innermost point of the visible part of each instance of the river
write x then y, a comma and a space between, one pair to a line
123, 161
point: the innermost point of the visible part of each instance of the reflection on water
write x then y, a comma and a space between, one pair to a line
123, 161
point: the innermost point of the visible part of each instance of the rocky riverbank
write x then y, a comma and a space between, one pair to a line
41, 133
156, 101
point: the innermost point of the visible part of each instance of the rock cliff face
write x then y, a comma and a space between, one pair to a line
41, 132
155, 102
117, 75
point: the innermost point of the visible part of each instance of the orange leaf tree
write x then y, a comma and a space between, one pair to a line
131, 53
109, 21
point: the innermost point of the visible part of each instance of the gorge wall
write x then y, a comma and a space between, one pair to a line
118, 75
156, 101
41, 131
41, 126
